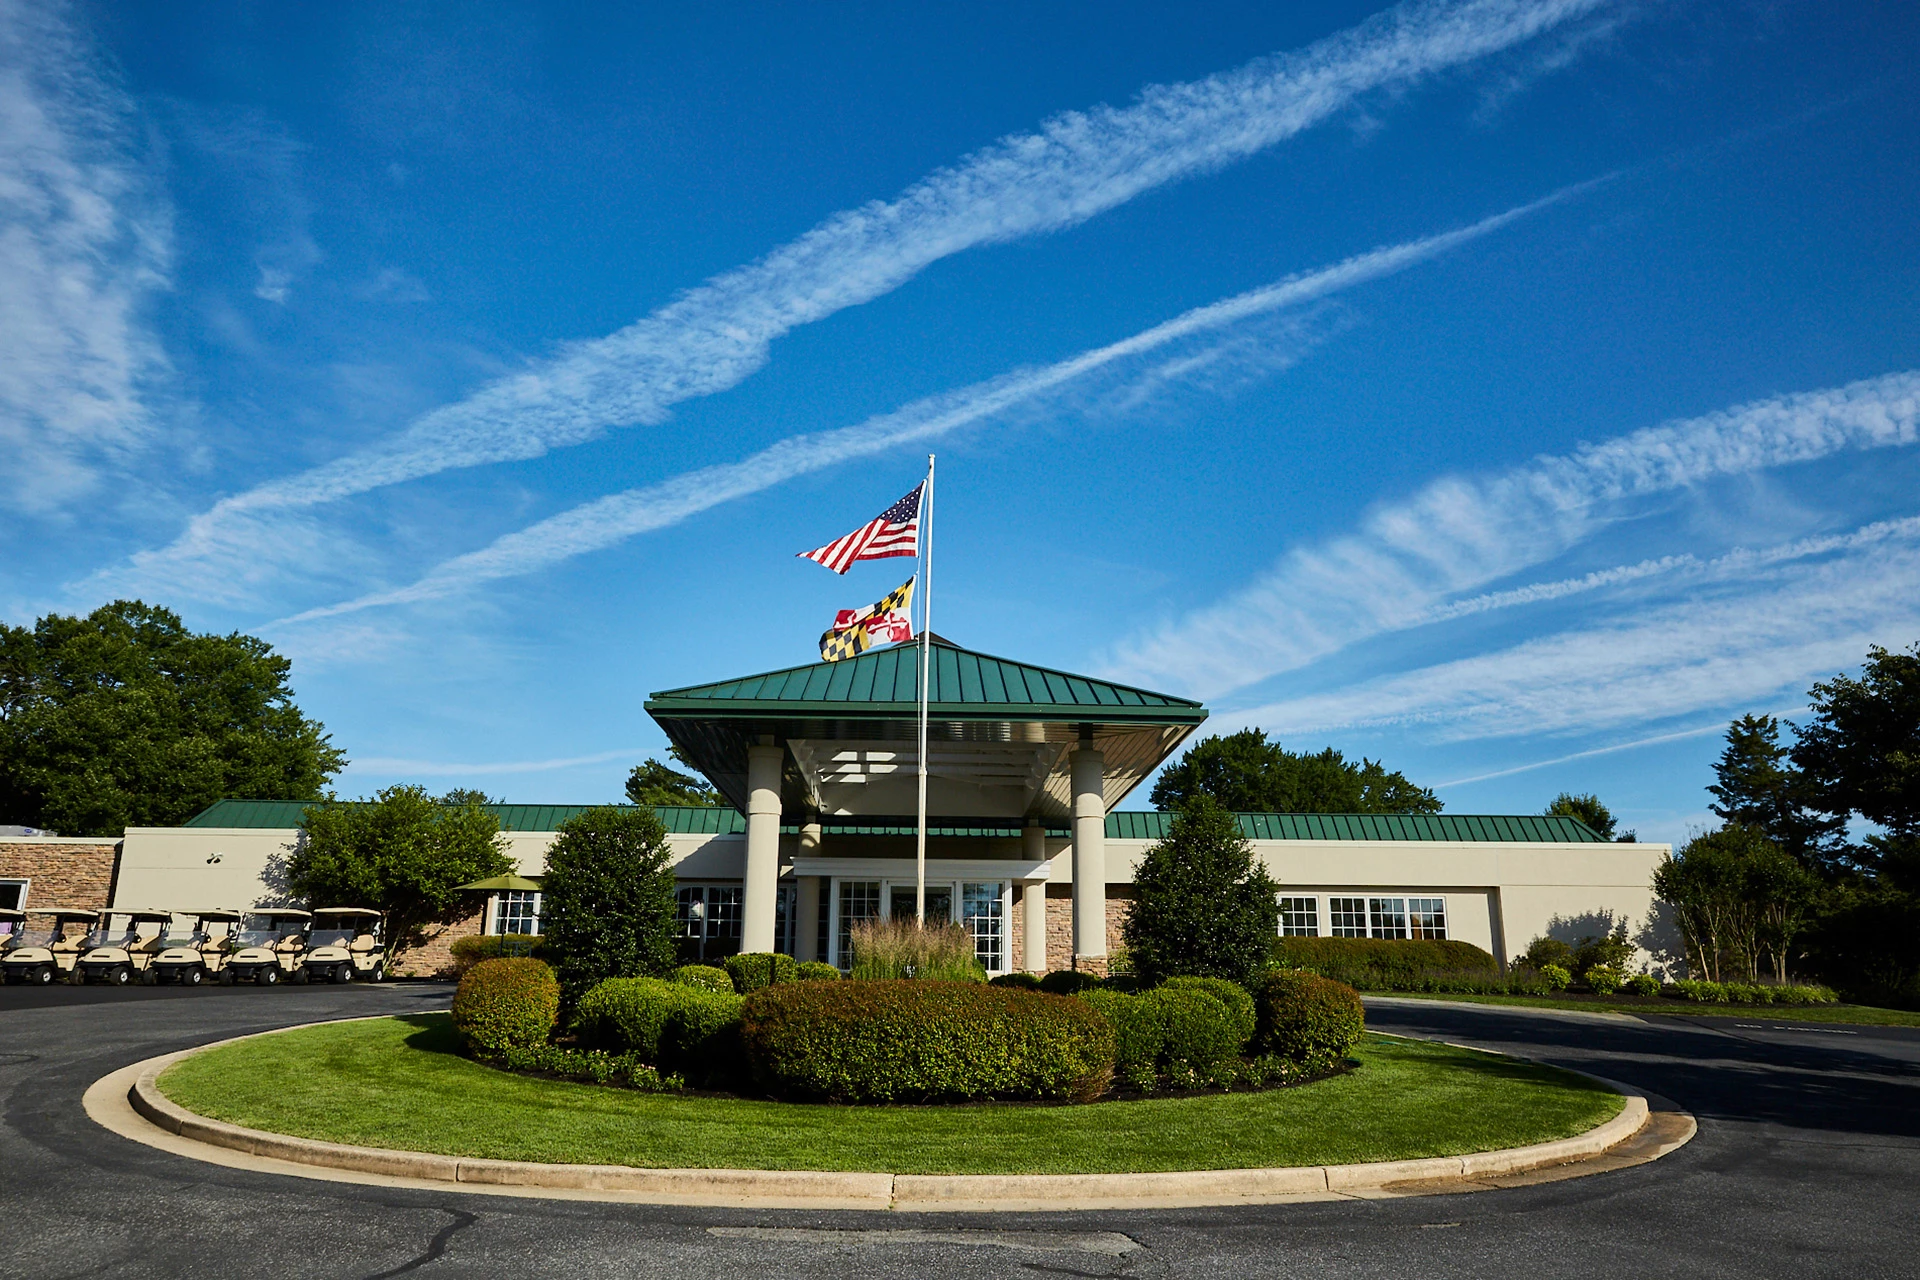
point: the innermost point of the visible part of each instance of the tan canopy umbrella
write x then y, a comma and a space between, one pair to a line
498, 884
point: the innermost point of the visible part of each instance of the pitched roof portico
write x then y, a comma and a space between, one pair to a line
1008, 744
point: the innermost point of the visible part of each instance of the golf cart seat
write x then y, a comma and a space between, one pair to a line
364, 943
293, 942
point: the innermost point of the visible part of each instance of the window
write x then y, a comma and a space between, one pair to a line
708, 917
1349, 917
1427, 918
1299, 917
980, 912
13, 894
517, 911
1387, 917
859, 900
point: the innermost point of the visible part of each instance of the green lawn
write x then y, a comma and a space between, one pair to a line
397, 1082
1859, 1015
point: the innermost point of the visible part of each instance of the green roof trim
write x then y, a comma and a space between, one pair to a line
1464, 828
964, 684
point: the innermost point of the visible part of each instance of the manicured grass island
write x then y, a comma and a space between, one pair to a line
402, 1083
1859, 1015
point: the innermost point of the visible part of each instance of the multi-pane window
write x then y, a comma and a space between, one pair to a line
980, 913
1348, 917
708, 917
1299, 917
1387, 917
1427, 918
517, 911
859, 900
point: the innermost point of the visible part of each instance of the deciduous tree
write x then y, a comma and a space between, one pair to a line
1247, 772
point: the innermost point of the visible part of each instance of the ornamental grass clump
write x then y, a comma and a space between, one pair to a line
902, 948
505, 1004
881, 1042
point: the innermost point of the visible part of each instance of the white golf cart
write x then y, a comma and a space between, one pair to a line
13, 924
120, 956
195, 947
346, 946
44, 955
271, 950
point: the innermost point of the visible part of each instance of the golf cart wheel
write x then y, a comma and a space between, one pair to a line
268, 976
120, 976
192, 976
343, 972
226, 978
41, 976
379, 973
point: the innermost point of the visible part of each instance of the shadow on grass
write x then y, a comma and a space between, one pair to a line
435, 1034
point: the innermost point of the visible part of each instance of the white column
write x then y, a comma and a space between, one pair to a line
806, 900
763, 847
1033, 902
1089, 857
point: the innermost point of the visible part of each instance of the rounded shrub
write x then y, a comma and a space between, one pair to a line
1604, 980
1643, 984
1067, 982
920, 1041
1237, 999
509, 1003
759, 969
1185, 1035
1555, 977
672, 1026
704, 976
1310, 1021
475, 947
815, 971
1018, 978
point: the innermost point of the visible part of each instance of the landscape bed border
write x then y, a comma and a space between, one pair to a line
129, 1102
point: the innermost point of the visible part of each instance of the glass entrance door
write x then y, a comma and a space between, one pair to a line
939, 903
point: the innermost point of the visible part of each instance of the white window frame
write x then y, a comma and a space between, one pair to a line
705, 888
1384, 915
1310, 928
956, 886
20, 901
1427, 907
1341, 905
497, 912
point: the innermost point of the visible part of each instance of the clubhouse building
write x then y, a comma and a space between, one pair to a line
1025, 847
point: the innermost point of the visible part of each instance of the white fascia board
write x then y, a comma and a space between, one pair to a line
937, 868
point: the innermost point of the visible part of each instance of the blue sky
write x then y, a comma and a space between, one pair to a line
1513, 390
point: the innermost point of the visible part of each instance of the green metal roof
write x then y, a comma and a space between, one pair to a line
1134, 825
963, 684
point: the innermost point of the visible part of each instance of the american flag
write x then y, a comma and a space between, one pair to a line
894, 532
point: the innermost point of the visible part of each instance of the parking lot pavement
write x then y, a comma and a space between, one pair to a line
1806, 1165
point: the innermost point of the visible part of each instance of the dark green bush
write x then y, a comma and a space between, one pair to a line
706, 977
1307, 1020
594, 1065
506, 1003
1203, 904
1644, 984
1385, 964
1067, 982
1544, 951
758, 969
1018, 978
1604, 980
472, 949
1237, 999
815, 971
675, 1027
608, 898
1184, 1035
919, 1041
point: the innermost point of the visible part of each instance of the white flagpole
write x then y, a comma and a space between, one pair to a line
926, 652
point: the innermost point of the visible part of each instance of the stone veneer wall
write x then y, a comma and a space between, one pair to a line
434, 959
60, 872
1060, 923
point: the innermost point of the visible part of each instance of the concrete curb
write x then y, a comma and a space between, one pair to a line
129, 1102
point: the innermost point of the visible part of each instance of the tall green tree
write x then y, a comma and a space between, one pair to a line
607, 898
1247, 772
1589, 810
403, 853
1861, 756
654, 783
126, 718
1739, 899
1756, 784
1202, 905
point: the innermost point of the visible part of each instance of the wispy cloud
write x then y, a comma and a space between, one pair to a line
442, 769
615, 518
1458, 534
1074, 167
1773, 636
85, 243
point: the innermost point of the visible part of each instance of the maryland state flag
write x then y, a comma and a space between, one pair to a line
855, 631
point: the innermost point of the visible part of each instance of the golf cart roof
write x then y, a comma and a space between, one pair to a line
347, 913
63, 913
211, 917
281, 913
8, 913
139, 913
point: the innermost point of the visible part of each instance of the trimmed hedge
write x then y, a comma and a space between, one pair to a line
1237, 999
704, 976
674, 1027
815, 971
509, 1003
1186, 1034
1644, 984
1751, 993
595, 1066
921, 1041
1019, 978
758, 969
1604, 980
472, 949
1309, 1021
1067, 982
1387, 964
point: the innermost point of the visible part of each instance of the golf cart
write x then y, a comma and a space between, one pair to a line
12, 925
271, 951
191, 950
43, 955
122, 956
345, 946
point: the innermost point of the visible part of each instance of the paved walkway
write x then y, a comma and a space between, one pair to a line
1807, 1165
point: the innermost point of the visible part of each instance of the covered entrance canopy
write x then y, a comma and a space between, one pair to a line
1009, 745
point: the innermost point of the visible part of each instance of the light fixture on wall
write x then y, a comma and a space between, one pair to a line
212, 858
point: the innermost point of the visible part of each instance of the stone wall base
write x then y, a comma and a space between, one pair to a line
434, 958
59, 872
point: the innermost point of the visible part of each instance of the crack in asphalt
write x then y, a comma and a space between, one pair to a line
435, 1247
